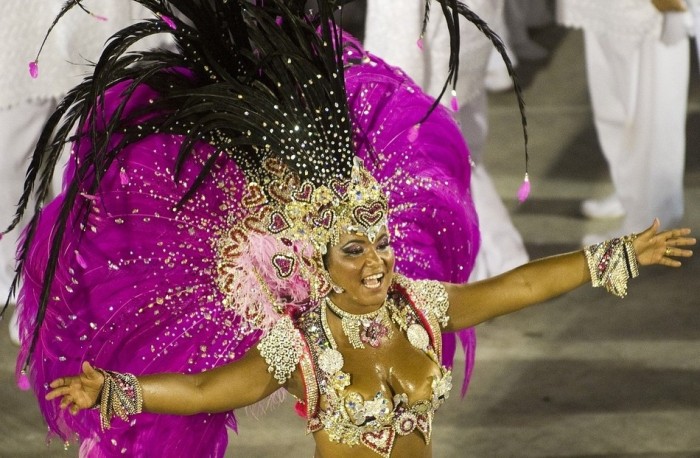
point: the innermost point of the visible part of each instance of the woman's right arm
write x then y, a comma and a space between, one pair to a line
228, 387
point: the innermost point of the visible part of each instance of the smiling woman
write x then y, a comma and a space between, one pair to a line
227, 218
363, 269
365, 361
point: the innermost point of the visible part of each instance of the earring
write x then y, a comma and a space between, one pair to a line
337, 289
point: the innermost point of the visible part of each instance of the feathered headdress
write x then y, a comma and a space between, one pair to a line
254, 80
252, 92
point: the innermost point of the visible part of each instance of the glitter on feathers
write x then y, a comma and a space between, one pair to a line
234, 94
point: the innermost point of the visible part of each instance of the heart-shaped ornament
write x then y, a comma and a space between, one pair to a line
284, 265
325, 219
304, 193
369, 215
380, 441
339, 187
278, 223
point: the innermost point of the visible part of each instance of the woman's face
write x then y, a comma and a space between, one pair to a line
363, 269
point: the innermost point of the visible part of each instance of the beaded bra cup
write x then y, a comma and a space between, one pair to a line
419, 310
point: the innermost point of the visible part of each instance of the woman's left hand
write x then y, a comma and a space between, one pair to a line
653, 247
79, 392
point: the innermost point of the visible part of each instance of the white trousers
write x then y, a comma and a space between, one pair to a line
639, 92
20, 127
502, 247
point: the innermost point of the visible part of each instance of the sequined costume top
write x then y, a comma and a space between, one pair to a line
419, 310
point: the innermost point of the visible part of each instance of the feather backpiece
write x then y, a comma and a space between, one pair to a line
163, 144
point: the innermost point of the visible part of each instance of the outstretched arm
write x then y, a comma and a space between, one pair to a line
543, 279
228, 387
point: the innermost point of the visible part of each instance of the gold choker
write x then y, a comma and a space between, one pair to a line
368, 328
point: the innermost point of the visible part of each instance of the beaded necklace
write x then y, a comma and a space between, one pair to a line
368, 328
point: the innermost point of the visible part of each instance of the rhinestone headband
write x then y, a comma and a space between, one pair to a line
321, 214
268, 256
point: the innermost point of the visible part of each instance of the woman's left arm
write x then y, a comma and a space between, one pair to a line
547, 278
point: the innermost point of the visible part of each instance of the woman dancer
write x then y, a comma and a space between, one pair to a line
215, 211
365, 361
148, 196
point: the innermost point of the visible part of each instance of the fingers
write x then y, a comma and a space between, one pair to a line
677, 253
677, 241
89, 370
58, 392
663, 248
674, 240
652, 230
69, 403
669, 5
63, 393
673, 251
66, 401
675, 233
668, 262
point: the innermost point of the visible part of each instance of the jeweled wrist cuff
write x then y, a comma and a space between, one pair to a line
612, 263
121, 396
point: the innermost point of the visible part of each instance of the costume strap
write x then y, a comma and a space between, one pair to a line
430, 294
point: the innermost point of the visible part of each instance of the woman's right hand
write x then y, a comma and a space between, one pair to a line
654, 247
79, 392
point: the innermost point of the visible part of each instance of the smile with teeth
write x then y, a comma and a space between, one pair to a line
373, 281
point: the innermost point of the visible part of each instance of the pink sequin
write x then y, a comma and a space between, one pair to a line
169, 21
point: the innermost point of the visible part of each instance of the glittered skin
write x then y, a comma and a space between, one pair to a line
135, 289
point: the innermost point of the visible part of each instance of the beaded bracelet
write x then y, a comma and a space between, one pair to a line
612, 263
121, 396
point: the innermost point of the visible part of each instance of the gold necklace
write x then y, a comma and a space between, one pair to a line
368, 328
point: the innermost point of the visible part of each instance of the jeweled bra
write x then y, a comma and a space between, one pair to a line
419, 309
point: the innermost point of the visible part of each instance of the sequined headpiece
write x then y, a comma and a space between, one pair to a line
276, 251
321, 214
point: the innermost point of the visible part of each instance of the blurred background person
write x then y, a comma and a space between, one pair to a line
513, 26
502, 247
521, 15
637, 62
